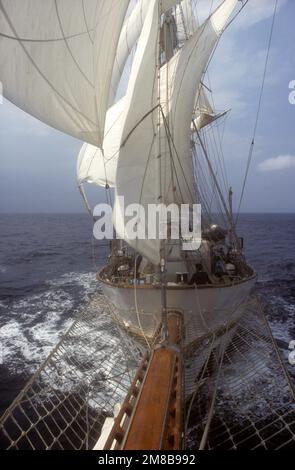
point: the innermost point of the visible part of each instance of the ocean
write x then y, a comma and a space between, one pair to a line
47, 273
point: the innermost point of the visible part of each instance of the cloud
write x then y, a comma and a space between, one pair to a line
253, 13
232, 75
256, 11
282, 162
236, 69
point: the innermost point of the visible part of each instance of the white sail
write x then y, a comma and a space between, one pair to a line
56, 60
185, 20
131, 31
140, 179
203, 104
134, 152
128, 38
192, 62
94, 166
203, 112
204, 119
97, 165
100, 166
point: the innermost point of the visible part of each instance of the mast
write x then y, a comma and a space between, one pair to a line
231, 228
163, 269
212, 173
147, 141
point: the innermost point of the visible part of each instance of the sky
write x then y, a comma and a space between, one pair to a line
38, 164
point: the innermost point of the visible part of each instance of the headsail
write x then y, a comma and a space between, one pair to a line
56, 60
181, 78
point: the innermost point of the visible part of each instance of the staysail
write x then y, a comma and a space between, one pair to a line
57, 58
155, 163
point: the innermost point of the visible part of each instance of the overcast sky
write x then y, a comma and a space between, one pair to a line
38, 164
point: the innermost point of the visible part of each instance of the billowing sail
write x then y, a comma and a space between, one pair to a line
56, 60
94, 165
186, 26
155, 163
100, 166
97, 165
128, 38
185, 20
137, 162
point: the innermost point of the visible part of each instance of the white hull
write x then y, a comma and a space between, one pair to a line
205, 309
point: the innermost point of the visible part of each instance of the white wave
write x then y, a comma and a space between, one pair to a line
282, 327
37, 322
13, 344
85, 280
23, 349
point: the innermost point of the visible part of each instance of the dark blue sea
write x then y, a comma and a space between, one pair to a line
47, 273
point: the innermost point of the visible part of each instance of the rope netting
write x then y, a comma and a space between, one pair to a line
243, 397
65, 404
238, 392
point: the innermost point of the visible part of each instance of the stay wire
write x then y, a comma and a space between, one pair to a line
250, 157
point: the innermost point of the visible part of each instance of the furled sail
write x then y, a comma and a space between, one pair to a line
155, 163
204, 119
56, 60
203, 113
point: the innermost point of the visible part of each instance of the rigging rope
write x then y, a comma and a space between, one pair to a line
250, 157
253, 394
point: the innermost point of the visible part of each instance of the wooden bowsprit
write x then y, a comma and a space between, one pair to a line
151, 417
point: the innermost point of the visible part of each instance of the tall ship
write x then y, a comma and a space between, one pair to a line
156, 152
174, 349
